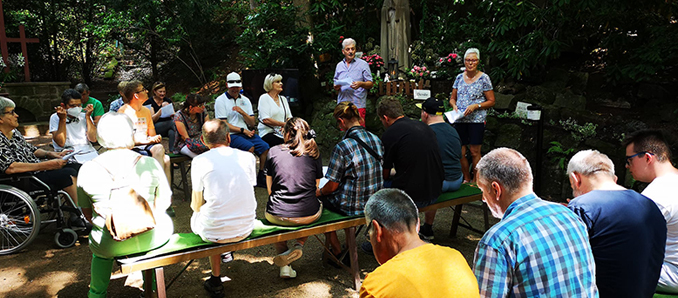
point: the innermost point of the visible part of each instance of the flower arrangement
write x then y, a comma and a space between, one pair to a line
419, 72
449, 66
375, 61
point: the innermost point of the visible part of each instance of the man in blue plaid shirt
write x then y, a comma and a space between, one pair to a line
539, 248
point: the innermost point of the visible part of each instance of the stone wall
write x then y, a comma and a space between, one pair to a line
35, 100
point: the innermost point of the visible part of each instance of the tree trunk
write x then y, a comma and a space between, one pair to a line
303, 16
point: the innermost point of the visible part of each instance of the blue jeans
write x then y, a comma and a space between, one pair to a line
450, 186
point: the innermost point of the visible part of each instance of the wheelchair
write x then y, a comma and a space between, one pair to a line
28, 205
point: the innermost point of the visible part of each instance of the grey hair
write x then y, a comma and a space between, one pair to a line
115, 130
81, 87
6, 103
347, 42
590, 162
507, 167
270, 79
393, 209
215, 132
472, 51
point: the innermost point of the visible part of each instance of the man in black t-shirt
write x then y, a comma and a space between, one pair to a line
412, 150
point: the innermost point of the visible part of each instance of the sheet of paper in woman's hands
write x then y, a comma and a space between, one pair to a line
454, 115
167, 111
69, 155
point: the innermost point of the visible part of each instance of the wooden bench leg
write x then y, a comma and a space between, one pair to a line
148, 283
353, 253
160, 282
184, 181
455, 220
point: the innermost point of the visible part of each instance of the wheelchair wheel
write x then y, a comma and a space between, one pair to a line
19, 219
65, 238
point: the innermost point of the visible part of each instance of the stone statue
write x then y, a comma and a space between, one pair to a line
395, 32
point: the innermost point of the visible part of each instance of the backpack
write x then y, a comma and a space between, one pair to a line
127, 213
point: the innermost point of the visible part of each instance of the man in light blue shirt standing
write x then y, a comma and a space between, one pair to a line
352, 78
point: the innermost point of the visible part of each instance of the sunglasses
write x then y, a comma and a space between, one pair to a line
628, 158
234, 81
471, 60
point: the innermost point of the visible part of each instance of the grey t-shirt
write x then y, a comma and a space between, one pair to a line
450, 149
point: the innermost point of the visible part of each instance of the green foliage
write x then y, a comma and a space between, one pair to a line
631, 42
273, 38
560, 155
579, 132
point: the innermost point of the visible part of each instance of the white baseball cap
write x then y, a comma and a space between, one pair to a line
233, 80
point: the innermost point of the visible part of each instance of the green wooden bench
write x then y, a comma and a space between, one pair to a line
188, 246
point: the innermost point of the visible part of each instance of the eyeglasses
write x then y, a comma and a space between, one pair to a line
12, 112
628, 158
234, 82
471, 60
143, 89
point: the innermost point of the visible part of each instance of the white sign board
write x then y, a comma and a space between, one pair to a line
422, 94
523, 112
521, 109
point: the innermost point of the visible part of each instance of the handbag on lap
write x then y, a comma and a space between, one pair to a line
127, 213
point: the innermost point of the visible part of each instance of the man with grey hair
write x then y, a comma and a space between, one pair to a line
538, 248
627, 231
83, 89
352, 78
223, 201
410, 267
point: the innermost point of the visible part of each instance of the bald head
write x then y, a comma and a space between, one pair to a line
589, 163
215, 133
507, 167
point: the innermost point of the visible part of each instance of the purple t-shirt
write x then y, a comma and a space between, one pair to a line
293, 188
358, 70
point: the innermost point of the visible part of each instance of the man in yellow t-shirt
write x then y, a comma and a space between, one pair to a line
146, 140
410, 267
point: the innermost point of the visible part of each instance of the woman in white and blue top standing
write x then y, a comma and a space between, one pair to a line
274, 111
471, 93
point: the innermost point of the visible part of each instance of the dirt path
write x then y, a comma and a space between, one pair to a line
41, 270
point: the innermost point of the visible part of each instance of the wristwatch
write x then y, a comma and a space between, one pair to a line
479, 106
242, 130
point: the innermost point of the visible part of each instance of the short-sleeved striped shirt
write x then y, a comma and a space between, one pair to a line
358, 173
538, 249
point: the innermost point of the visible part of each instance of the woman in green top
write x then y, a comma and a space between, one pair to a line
145, 176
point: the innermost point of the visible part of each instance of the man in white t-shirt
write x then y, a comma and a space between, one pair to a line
648, 158
71, 128
223, 199
237, 110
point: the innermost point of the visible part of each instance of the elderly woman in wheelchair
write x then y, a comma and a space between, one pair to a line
49, 169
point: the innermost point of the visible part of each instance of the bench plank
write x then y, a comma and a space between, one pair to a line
329, 222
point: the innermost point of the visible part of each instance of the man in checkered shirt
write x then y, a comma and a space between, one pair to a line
539, 248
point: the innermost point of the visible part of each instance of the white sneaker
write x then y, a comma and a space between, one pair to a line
286, 272
227, 257
288, 256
